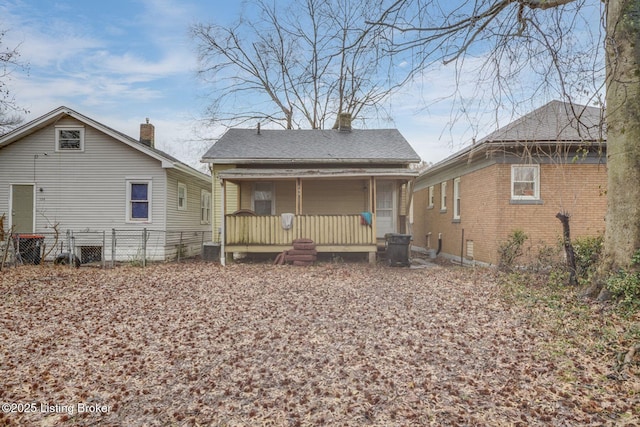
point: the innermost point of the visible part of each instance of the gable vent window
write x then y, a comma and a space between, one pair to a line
69, 139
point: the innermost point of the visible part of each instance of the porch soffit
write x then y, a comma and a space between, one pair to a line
252, 174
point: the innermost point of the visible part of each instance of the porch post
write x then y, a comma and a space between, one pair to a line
372, 201
298, 196
373, 186
408, 226
223, 238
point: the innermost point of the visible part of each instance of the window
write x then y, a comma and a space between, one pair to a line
138, 200
69, 138
205, 207
443, 196
525, 182
430, 201
262, 198
182, 197
456, 198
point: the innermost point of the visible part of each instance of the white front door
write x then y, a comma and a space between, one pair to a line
385, 208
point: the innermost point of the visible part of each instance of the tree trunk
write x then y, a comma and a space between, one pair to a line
568, 247
622, 233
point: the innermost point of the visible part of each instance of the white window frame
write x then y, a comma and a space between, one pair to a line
456, 198
430, 201
60, 129
536, 183
205, 207
182, 200
273, 196
443, 196
149, 201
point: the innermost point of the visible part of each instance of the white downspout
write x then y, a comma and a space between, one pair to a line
223, 258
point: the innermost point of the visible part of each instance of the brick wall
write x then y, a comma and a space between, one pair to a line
488, 216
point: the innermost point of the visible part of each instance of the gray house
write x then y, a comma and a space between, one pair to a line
71, 171
342, 188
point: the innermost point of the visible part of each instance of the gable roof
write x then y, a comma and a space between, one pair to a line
311, 146
553, 123
556, 121
167, 161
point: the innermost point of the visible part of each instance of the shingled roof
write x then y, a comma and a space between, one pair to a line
553, 123
52, 117
556, 121
311, 146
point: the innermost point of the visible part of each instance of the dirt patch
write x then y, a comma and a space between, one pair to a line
350, 344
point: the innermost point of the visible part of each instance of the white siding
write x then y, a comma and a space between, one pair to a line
185, 233
84, 190
188, 219
87, 190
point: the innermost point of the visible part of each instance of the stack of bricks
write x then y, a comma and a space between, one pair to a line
303, 253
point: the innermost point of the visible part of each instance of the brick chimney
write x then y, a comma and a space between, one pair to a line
344, 122
147, 134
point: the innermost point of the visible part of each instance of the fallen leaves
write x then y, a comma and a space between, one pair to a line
351, 344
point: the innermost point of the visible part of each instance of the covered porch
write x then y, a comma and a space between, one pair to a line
341, 210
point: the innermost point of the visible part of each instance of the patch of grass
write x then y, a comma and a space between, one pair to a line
625, 286
576, 327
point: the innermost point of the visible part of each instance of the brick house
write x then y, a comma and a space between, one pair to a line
517, 178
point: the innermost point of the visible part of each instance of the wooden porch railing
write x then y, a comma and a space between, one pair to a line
322, 229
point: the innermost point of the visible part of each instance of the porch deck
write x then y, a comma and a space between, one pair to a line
330, 233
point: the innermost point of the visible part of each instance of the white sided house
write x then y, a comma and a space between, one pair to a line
66, 170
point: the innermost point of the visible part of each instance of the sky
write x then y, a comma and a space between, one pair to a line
122, 61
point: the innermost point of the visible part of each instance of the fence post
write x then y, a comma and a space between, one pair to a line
180, 248
104, 249
113, 247
144, 247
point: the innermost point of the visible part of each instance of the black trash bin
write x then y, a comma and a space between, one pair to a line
397, 246
29, 246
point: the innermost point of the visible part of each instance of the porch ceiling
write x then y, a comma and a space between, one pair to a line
252, 174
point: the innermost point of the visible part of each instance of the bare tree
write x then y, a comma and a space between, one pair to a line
298, 65
515, 50
549, 45
9, 110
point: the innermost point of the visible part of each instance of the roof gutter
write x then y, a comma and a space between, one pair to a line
263, 161
245, 174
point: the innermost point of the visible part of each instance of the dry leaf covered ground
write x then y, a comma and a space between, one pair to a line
333, 344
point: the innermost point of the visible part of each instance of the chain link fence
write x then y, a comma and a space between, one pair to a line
103, 248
